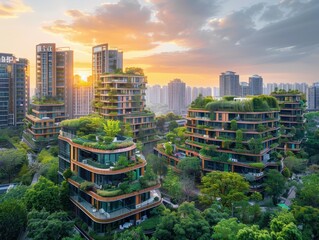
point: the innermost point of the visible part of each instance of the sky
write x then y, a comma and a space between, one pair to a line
194, 40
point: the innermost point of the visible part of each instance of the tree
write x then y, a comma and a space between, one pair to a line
233, 125
280, 220
253, 233
131, 234
43, 194
172, 125
172, 185
308, 195
274, 184
308, 218
289, 232
186, 223
112, 127
45, 226
190, 166
246, 213
239, 139
158, 164
13, 218
168, 148
134, 70
296, 165
230, 187
17, 192
11, 161
215, 213
227, 229
127, 130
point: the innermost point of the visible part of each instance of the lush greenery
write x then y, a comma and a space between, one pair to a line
255, 104
226, 186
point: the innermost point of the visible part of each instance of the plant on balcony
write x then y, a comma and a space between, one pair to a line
112, 127
255, 145
86, 186
259, 165
109, 193
67, 173
168, 148
239, 139
233, 125
261, 128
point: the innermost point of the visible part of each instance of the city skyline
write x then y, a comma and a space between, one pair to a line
273, 39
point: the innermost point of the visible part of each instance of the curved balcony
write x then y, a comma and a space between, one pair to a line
109, 171
116, 198
100, 216
65, 137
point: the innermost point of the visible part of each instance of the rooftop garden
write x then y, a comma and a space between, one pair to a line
260, 103
129, 71
46, 100
95, 132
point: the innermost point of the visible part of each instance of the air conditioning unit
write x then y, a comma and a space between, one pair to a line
85, 161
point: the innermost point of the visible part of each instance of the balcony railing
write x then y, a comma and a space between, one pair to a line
101, 214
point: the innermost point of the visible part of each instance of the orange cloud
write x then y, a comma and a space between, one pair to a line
125, 25
12, 8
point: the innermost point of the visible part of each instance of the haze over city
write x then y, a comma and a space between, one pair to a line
191, 40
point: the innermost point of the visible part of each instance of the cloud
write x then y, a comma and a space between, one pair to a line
12, 8
126, 25
252, 38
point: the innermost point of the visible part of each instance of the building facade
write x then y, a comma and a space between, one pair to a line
14, 90
232, 139
255, 85
229, 84
176, 96
291, 120
82, 95
313, 97
122, 97
106, 193
53, 100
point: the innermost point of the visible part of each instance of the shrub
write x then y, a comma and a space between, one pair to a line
108, 139
107, 193
67, 173
86, 186
257, 165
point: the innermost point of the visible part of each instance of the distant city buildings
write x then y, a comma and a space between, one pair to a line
313, 97
244, 89
176, 96
14, 89
229, 84
271, 87
82, 95
255, 85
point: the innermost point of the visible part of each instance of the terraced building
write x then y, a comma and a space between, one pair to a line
233, 135
292, 106
122, 97
110, 186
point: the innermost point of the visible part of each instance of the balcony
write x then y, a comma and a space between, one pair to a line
100, 215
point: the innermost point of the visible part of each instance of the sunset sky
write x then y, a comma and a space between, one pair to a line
194, 40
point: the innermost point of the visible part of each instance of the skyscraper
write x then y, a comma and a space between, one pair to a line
53, 100
14, 89
82, 93
105, 60
244, 89
176, 96
255, 85
313, 97
229, 84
